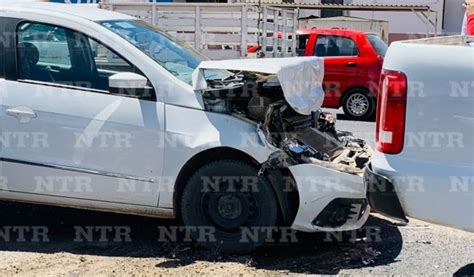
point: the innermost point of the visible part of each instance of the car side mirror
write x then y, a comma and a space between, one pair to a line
131, 85
124, 81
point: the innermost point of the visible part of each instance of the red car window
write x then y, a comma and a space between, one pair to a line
333, 46
302, 42
378, 44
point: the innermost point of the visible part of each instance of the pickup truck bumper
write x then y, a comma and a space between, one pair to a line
330, 200
382, 196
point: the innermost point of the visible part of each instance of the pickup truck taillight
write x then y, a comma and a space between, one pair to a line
391, 109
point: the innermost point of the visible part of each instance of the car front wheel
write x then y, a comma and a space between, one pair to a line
359, 104
228, 206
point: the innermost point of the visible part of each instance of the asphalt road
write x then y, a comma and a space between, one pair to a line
380, 248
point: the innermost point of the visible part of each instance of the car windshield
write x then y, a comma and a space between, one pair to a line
379, 45
177, 58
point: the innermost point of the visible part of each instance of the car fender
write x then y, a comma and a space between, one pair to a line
192, 131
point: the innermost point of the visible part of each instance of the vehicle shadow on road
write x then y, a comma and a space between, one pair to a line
94, 233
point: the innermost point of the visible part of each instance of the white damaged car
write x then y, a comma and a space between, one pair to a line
102, 111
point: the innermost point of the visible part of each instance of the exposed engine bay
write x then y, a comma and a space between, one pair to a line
297, 138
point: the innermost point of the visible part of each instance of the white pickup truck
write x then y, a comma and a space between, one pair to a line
423, 166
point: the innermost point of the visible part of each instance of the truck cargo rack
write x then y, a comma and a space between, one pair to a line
220, 31
448, 40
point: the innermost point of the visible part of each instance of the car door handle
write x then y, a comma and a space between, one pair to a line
53, 69
22, 113
351, 64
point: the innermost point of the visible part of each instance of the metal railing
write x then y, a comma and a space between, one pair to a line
220, 31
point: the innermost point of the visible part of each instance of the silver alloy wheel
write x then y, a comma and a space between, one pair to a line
357, 104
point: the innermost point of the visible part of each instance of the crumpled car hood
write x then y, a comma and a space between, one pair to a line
300, 78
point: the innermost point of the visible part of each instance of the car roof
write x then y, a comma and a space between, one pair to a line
84, 11
332, 31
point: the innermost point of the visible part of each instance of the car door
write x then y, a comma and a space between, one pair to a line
64, 134
341, 65
3, 183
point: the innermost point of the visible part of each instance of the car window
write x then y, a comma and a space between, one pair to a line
302, 43
169, 53
333, 46
379, 45
61, 56
2, 49
50, 42
106, 60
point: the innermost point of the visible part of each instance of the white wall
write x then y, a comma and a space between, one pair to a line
453, 16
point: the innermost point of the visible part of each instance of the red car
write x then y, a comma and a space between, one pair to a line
353, 64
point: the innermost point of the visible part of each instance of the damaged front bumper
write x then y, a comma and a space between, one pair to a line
330, 200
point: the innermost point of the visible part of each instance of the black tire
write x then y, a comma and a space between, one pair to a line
225, 210
359, 104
